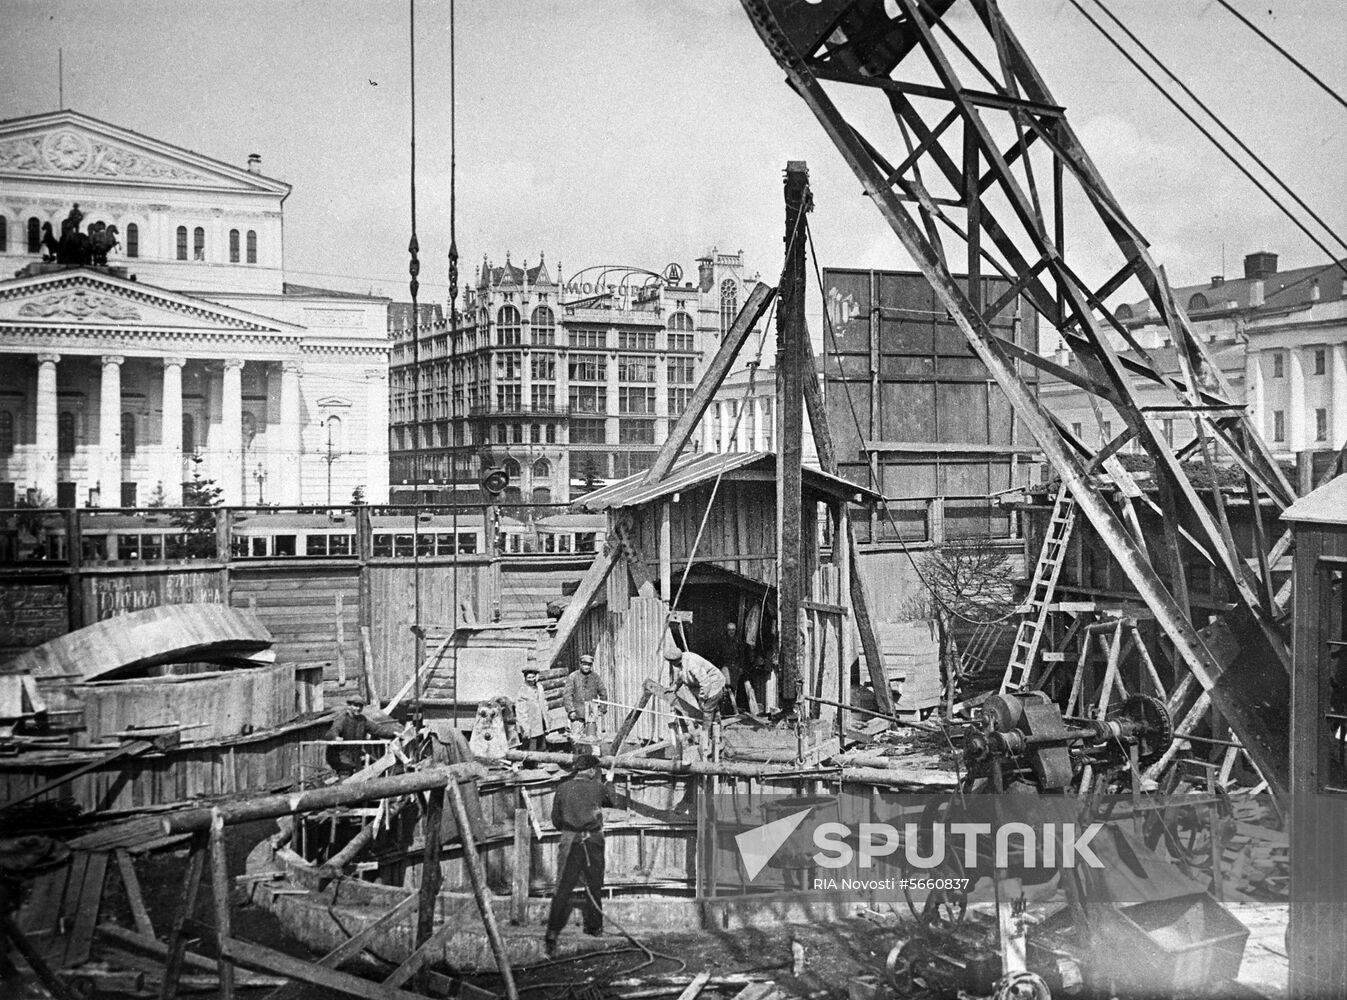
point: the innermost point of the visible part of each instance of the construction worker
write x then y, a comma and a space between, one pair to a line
733, 658
530, 711
349, 724
577, 811
699, 675
583, 687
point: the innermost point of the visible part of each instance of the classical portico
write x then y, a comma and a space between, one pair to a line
113, 393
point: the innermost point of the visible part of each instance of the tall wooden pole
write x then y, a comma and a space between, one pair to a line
792, 352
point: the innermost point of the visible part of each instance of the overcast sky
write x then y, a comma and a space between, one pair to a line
618, 131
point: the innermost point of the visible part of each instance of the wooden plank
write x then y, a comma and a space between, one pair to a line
417, 960
756, 306
177, 941
247, 953
341, 644
519, 884
89, 899
874, 658
34, 959
134, 897
367, 665
589, 586
220, 888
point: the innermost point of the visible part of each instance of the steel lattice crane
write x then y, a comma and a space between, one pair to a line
985, 169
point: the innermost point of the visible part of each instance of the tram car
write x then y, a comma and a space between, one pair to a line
191, 533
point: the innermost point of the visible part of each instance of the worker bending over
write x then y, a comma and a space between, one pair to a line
700, 676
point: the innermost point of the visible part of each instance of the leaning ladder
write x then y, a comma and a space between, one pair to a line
1049, 568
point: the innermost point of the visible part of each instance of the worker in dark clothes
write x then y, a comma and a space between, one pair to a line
350, 724
584, 687
577, 811
734, 665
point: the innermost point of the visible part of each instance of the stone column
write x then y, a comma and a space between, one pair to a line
375, 435
1255, 399
1295, 402
759, 424
44, 469
170, 430
1337, 411
289, 490
741, 434
230, 469
614, 430
709, 429
727, 413
110, 432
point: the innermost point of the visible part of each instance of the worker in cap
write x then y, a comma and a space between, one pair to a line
350, 724
577, 811
530, 711
584, 693
699, 675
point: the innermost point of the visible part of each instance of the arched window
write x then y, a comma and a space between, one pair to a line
198, 243
248, 428
128, 433
542, 494
188, 434
34, 235
182, 243
132, 240
1198, 301
252, 246
511, 468
680, 322
542, 469
233, 246
65, 433
4, 234
536, 434
551, 433
544, 326
334, 435
508, 326
1123, 312
6, 432
729, 304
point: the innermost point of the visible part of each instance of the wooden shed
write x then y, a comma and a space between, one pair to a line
699, 547
1319, 744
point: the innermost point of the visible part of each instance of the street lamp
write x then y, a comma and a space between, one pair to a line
261, 476
333, 453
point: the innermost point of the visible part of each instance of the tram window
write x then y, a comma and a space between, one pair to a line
467, 542
340, 545
564, 543
259, 548
444, 544
584, 541
315, 545
285, 545
128, 547
177, 548
383, 545
402, 545
152, 546
93, 549
549, 543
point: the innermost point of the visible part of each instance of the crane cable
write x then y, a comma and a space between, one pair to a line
1211, 138
1292, 59
1225, 128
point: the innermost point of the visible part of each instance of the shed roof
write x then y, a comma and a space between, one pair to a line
1326, 505
697, 469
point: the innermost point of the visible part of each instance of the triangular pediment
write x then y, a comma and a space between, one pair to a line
66, 145
85, 297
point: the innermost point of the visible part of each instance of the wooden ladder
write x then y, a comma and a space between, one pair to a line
1049, 568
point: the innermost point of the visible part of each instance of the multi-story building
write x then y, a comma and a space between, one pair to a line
1280, 337
189, 345
562, 384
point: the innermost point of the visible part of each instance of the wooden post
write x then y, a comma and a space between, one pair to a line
431, 876
34, 959
367, 666
792, 348
219, 887
874, 657
523, 844
589, 586
477, 876
665, 554
341, 643
177, 940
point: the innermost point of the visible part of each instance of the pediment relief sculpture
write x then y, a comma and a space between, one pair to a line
67, 151
79, 303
